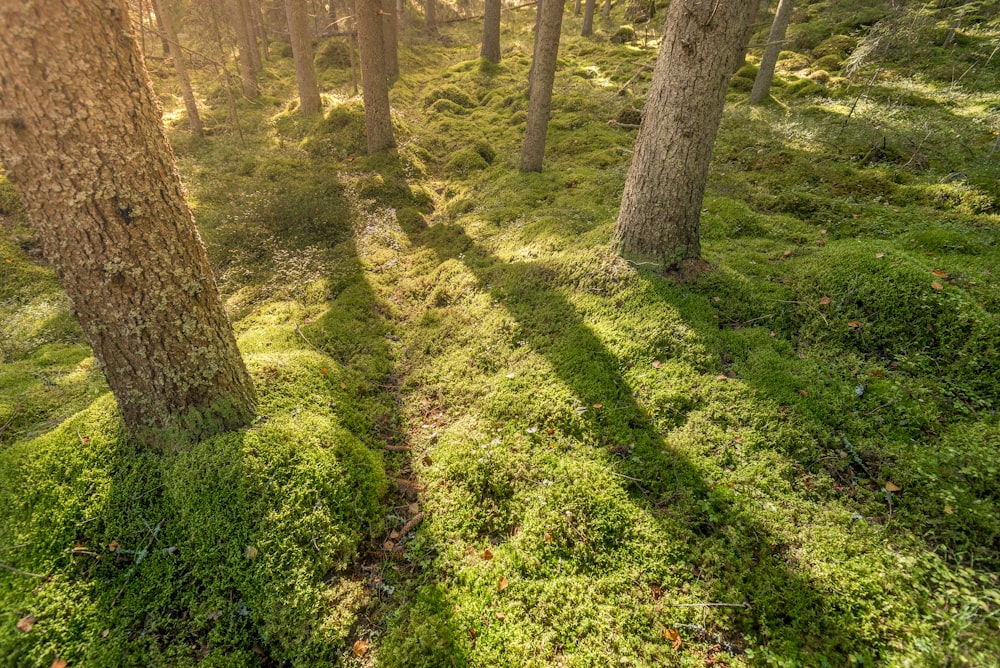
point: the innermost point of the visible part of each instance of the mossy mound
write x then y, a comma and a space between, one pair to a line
333, 52
340, 134
451, 93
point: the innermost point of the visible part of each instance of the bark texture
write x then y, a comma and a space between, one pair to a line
762, 83
163, 8
374, 80
305, 71
87, 154
588, 18
491, 32
390, 39
543, 74
661, 205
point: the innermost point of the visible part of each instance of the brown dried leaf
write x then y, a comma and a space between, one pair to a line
598, 406
940, 274
502, 584
803, 393
487, 554
25, 623
113, 545
936, 285
58, 663
891, 486
854, 324
879, 256
674, 637
824, 301
657, 364
360, 647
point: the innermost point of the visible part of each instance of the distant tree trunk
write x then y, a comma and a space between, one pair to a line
762, 84
141, 10
163, 35
543, 76
400, 15
102, 190
607, 10
352, 47
331, 17
588, 19
251, 29
430, 17
390, 39
302, 53
576, 7
374, 80
180, 67
491, 32
260, 27
702, 43
248, 71
534, 45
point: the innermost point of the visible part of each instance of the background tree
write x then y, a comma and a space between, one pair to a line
491, 32
101, 187
543, 74
762, 83
390, 38
302, 53
430, 17
703, 41
588, 19
374, 79
162, 8
245, 45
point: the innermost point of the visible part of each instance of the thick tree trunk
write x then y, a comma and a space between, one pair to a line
248, 71
542, 77
302, 53
430, 17
702, 43
762, 84
87, 154
588, 19
180, 66
374, 80
491, 32
390, 39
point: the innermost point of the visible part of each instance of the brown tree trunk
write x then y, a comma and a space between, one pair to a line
702, 42
180, 66
762, 83
260, 27
543, 75
607, 10
101, 188
588, 19
248, 71
305, 72
576, 7
430, 17
251, 29
390, 39
163, 35
534, 44
491, 32
374, 80
400, 15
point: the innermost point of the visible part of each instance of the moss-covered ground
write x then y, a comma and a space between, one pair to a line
484, 439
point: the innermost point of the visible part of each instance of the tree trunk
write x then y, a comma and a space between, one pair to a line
576, 7
247, 12
430, 17
390, 39
607, 10
97, 178
400, 15
702, 43
374, 81
543, 76
248, 71
331, 17
163, 35
762, 83
180, 66
588, 19
305, 72
260, 28
491, 32
534, 44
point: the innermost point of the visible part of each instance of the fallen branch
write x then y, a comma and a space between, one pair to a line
708, 605
20, 572
635, 76
308, 342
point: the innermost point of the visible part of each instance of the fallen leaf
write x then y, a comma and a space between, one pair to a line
343, 386
105, 633
25, 623
501, 616
891, 486
388, 546
252, 552
58, 663
940, 274
824, 301
854, 324
879, 256
510, 375
936, 285
948, 509
598, 406
803, 393
657, 364
360, 647
113, 545
548, 537
674, 637
472, 634
722, 376
487, 554
502, 584
324, 371
716, 299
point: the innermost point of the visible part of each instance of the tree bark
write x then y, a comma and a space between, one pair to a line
374, 80
543, 75
390, 39
251, 28
163, 35
576, 7
86, 152
260, 27
302, 53
180, 66
248, 71
607, 10
400, 15
430, 17
661, 205
762, 83
588, 19
534, 45
491, 32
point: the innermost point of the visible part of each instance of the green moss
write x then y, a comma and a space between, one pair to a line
465, 162
838, 45
452, 94
333, 52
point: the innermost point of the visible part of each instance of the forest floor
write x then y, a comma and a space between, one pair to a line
485, 439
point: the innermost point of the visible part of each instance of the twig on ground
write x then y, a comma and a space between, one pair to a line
20, 572
308, 342
708, 605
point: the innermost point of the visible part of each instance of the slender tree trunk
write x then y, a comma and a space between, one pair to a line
576, 7
163, 35
260, 28
102, 190
588, 19
248, 72
762, 83
251, 30
430, 17
543, 76
352, 48
302, 53
534, 45
491, 32
702, 43
180, 66
331, 17
607, 10
390, 39
374, 80
400, 15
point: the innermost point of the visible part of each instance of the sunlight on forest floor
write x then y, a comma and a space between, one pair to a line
790, 460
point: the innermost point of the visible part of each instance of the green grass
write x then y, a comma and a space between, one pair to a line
600, 451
